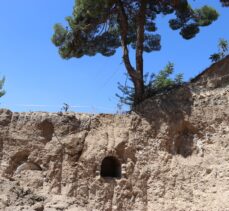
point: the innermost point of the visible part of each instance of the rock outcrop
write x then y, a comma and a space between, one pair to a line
171, 153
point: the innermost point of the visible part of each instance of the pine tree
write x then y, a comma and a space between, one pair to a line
102, 26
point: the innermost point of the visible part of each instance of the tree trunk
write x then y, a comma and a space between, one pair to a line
139, 81
139, 90
135, 74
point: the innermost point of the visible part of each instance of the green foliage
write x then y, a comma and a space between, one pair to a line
205, 15
225, 3
2, 92
94, 26
154, 83
215, 57
222, 51
103, 26
223, 46
162, 80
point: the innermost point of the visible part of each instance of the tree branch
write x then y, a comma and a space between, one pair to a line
123, 22
140, 38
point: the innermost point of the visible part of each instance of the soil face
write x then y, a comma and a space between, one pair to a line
171, 153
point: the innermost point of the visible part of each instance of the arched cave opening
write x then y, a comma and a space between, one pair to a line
110, 167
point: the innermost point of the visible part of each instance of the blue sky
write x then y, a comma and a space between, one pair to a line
37, 79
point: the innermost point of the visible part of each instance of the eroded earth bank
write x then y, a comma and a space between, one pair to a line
172, 153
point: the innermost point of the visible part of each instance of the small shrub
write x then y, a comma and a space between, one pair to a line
154, 83
222, 51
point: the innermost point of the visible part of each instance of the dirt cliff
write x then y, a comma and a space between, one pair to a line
171, 153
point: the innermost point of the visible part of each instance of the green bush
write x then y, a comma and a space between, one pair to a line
153, 84
222, 51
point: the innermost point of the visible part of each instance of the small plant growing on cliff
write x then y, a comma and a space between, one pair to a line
65, 107
2, 92
222, 51
163, 79
153, 84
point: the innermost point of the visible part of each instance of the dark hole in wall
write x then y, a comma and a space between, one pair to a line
47, 129
111, 167
15, 161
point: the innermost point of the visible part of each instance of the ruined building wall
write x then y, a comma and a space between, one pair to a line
173, 152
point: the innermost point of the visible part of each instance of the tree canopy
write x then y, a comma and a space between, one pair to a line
102, 26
